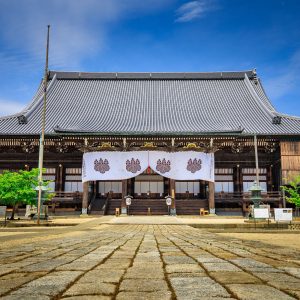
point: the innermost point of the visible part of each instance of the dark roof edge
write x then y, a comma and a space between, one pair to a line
154, 75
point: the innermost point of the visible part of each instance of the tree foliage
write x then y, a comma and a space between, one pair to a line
292, 191
19, 187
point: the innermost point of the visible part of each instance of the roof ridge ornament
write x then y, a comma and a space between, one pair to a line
276, 120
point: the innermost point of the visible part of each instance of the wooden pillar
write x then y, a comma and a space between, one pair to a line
202, 189
62, 178
236, 179
211, 198
172, 193
124, 193
85, 198
269, 178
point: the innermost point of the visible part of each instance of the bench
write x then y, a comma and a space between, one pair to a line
203, 212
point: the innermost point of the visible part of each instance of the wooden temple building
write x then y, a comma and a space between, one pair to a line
218, 112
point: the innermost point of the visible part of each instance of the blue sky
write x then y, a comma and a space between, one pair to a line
150, 35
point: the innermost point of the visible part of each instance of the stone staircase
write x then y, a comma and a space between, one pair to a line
97, 206
156, 206
190, 206
112, 204
159, 207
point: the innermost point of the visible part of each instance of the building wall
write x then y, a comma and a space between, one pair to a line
290, 160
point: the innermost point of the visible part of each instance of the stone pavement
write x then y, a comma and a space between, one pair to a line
97, 261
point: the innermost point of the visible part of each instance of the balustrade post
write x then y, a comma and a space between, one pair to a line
211, 197
85, 198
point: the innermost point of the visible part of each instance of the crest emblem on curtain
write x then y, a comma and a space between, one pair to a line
163, 166
101, 165
194, 165
133, 165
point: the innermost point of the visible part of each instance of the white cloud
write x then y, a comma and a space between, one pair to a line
78, 29
193, 10
9, 107
286, 81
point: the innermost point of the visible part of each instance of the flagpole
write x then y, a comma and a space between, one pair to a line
42, 137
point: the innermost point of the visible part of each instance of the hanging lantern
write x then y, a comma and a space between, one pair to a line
148, 170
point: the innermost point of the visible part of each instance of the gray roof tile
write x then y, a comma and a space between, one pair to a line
152, 103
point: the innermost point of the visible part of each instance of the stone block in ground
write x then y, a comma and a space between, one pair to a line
92, 288
148, 255
197, 287
147, 259
222, 267
264, 270
278, 277
293, 271
113, 264
50, 285
249, 263
287, 285
141, 264
184, 268
144, 273
143, 285
27, 297
234, 277
89, 297
178, 260
104, 275
12, 281
209, 259
295, 293
166, 295
78, 265
187, 275
274, 263
257, 291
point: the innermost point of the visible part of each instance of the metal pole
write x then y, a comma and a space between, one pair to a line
42, 138
256, 160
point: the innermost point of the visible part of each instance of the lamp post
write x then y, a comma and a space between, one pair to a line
42, 137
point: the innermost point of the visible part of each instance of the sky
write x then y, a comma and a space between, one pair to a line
150, 36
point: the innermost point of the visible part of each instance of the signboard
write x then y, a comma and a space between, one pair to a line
128, 201
169, 201
30, 211
261, 213
283, 214
3, 211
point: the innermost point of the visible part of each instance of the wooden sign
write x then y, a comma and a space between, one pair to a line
261, 213
3, 213
283, 214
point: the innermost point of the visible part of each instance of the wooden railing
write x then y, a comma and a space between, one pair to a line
274, 196
67, 197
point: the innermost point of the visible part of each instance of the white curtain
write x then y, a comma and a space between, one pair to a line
187, 165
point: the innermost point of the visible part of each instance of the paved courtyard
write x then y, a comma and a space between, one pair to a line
111, 261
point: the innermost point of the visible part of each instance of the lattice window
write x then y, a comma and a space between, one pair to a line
73, 179
224, 180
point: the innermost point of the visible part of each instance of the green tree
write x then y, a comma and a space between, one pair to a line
19, 187
293, 191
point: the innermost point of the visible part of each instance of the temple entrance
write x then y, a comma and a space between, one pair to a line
149, 185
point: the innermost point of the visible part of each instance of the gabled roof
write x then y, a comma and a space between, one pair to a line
152, 103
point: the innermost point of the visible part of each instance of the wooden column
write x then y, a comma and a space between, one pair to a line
236, 179
202, 189
269, 178
124, 193
85, 198
211, 198
172, 193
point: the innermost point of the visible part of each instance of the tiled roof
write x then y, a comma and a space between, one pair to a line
152, 103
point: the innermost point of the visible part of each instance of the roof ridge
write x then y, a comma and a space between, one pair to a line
152, 75
266, 110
